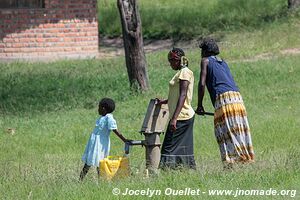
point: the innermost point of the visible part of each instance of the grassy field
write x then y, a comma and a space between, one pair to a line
42, 159
181, 20
53, 108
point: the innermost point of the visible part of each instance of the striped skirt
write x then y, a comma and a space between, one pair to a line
232, 129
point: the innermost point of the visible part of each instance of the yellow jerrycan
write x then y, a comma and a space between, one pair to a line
114, 167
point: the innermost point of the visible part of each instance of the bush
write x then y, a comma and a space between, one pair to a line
179, 20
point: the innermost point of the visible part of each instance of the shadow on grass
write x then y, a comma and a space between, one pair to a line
49, 91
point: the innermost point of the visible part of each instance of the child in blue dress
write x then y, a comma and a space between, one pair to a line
98, 145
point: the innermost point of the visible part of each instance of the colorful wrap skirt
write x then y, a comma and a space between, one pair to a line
178, 148
232, 129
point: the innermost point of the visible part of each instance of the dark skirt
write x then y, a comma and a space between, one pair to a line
178, 147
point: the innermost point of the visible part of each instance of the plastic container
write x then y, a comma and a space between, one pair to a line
114, 167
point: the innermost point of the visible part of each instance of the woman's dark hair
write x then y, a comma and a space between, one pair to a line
176, 53
210, 47
108, 104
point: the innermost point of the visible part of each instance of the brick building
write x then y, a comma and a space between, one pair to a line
48, 29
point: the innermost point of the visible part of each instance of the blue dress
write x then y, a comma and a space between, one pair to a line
98, 145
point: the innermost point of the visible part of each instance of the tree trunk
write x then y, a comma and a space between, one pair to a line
133, 44
293, 4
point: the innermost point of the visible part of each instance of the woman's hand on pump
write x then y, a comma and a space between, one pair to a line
161, 101
200, 110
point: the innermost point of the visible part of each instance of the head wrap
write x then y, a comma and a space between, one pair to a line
178, 54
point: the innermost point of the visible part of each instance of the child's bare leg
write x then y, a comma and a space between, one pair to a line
84, 171
98, 172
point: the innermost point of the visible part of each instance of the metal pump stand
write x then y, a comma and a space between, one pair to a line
154, 124
155, 121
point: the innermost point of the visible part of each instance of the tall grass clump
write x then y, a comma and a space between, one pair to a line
181, 20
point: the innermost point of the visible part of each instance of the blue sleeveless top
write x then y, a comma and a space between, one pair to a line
218, 78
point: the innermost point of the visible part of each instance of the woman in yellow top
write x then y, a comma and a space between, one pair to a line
178, 149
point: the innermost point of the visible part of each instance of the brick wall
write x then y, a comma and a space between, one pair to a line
64, 28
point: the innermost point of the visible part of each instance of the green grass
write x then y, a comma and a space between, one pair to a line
42, 159
197, 18
53, 107
68, 84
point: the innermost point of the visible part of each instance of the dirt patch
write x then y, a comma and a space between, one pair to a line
268, 56
290, 51
263, 56
112, 47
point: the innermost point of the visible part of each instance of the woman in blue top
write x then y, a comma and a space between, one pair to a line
98, 145
230, 119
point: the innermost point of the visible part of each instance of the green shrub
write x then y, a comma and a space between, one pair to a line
180, 20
